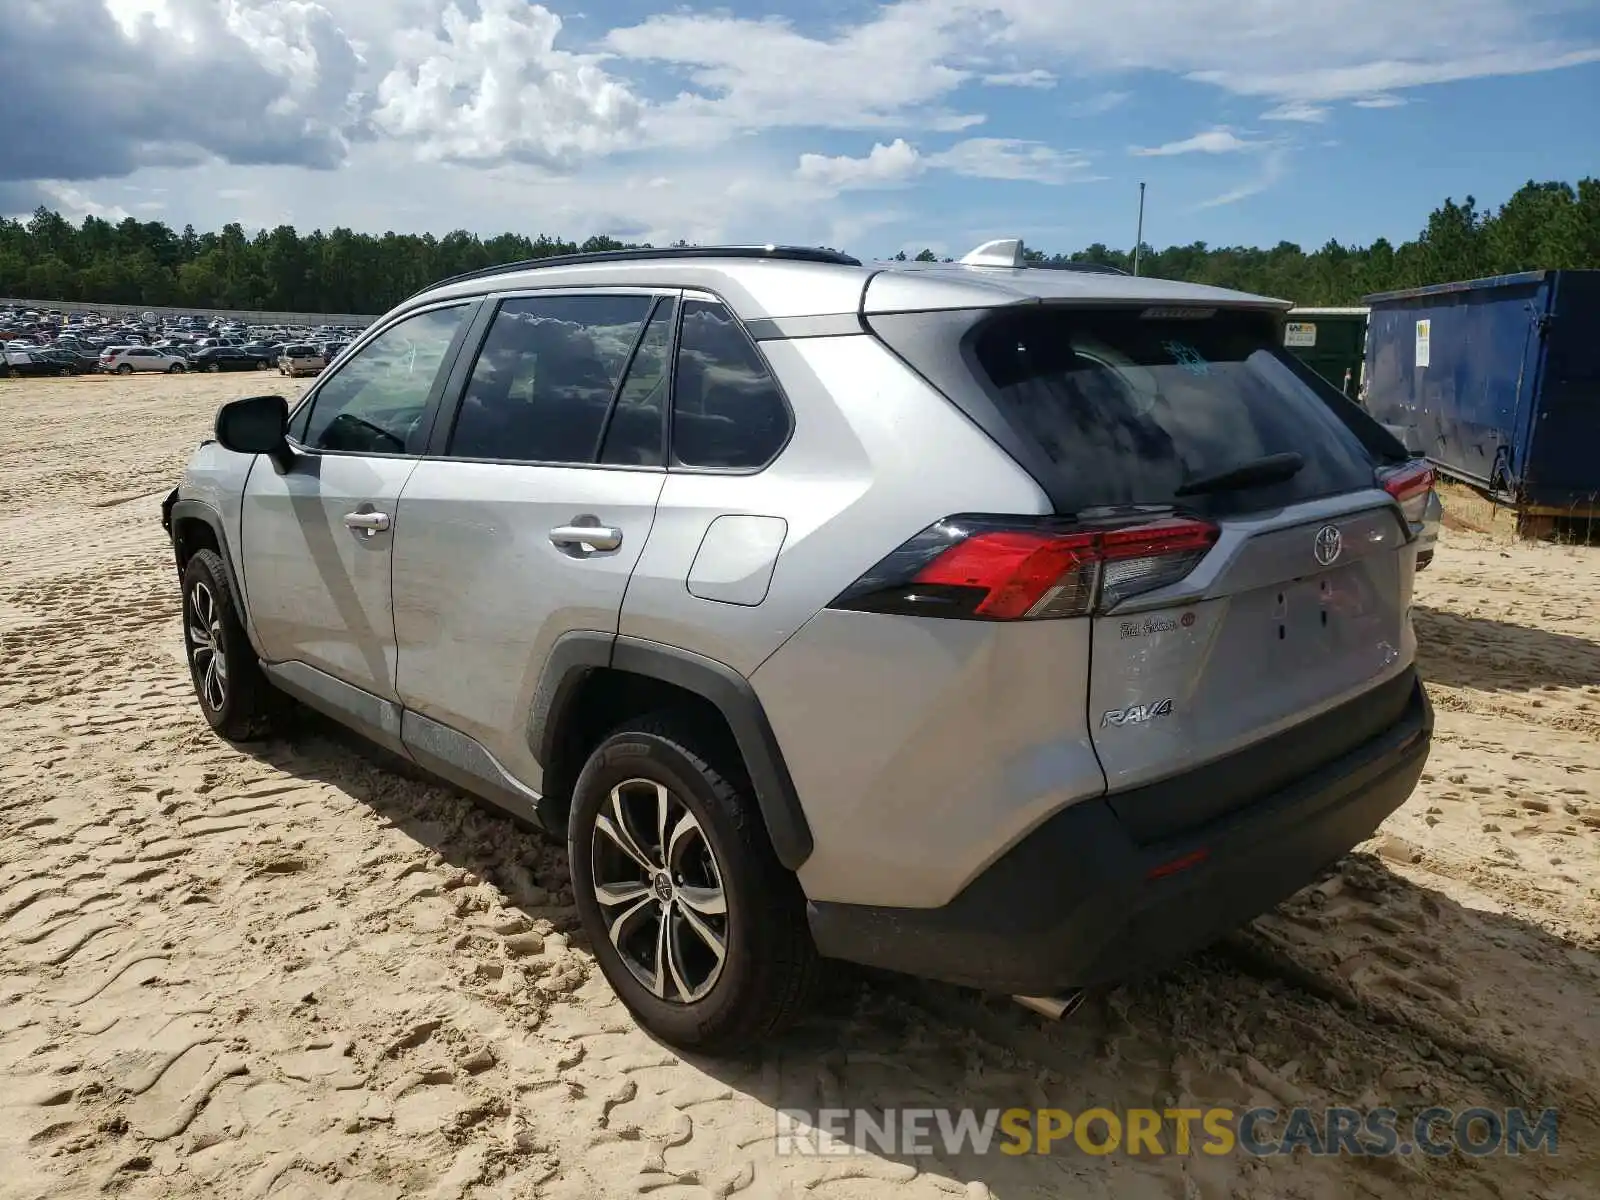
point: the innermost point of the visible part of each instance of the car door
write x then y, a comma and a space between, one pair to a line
526, 521
316, 539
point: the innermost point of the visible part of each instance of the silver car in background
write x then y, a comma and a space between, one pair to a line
1019, 628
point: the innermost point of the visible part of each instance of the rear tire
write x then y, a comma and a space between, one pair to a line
124, 369
235, 697
213, 367
713, 883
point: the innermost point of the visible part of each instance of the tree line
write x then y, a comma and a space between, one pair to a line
1543, 226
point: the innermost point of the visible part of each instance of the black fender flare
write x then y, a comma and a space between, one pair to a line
576, 654
198, 510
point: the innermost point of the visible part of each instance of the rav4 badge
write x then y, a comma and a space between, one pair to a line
1137, 714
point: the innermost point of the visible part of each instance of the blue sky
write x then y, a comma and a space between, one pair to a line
872, 127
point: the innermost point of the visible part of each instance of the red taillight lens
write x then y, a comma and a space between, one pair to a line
1410, 485
1000, 569
1018, 571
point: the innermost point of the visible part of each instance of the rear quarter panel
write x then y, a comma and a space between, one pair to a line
857, 478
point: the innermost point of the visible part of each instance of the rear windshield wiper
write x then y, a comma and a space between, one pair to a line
1270, 468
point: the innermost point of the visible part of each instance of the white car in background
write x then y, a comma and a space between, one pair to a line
125, 360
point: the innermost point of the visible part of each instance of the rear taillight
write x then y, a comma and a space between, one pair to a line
1011, 569
1410, 485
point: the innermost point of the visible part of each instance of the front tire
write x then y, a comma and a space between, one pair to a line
175, 369
698, 928
213, 367
235, 697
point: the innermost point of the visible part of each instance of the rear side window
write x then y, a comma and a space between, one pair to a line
727, 411
1131, 410
543, 383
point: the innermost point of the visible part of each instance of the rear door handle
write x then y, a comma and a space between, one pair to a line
592, 537
370, 523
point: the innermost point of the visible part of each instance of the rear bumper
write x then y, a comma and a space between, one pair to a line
1079, 902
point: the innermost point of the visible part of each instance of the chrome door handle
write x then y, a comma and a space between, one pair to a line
592, 537
369, 523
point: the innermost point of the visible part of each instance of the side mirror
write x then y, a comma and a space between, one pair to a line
256, 425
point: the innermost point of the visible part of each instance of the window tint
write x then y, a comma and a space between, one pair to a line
1131, 409
544, 380
634, 435
727, 411
375, 401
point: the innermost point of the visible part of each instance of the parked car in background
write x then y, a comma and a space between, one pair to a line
19, 363
82, 362
300, 359
125, 360
227, 358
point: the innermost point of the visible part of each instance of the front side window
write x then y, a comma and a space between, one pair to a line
376, 401
727, 411
545, 378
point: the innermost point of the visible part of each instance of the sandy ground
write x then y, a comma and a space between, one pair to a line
299, 971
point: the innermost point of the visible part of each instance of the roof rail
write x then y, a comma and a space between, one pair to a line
1088, 268
813, 254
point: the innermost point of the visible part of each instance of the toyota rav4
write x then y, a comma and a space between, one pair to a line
1015, 627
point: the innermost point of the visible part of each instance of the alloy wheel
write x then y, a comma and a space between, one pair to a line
660, 891
205, 647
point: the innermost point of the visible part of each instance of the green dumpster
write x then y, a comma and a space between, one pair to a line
1332, 342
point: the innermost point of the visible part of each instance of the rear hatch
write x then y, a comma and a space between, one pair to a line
1267, 631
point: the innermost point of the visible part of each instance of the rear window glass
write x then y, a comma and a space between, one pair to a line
1131, 409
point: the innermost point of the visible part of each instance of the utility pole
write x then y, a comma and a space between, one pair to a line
1138, 241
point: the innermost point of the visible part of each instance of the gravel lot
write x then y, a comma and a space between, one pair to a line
300, 970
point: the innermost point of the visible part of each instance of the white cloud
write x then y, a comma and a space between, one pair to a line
1274, 164
906, 58
1036, 78
1296, 110
754, 74
73, 204
110, 89
1096, 105
1211, 141
659, 124
1010, 158
495, 88
896, 163
884, 166
1319, 84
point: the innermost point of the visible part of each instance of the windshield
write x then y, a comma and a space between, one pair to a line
1132, 410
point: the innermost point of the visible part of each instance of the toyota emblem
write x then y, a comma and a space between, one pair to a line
1327, 545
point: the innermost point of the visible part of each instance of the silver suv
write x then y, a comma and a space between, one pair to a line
1015, 627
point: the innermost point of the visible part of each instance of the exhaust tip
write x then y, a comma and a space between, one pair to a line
1057, 1008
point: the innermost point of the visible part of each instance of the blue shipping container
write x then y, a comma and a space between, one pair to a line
1497, 381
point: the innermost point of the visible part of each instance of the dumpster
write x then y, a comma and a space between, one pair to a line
1497, 382
1331, 341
